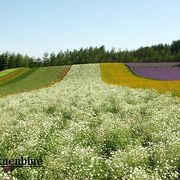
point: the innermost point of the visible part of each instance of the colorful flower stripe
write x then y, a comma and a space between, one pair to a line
161, 71
119, 74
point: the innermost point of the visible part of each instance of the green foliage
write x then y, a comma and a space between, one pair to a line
156, 53
175, 47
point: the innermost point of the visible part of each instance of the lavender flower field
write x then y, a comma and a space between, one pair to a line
160, 71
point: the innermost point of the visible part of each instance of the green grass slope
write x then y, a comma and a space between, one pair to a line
7, 72
8, 76
31, 79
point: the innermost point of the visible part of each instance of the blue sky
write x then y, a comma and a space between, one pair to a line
35, 26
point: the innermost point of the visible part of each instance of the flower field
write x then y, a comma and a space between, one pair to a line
83, 128
162, 71
119, 74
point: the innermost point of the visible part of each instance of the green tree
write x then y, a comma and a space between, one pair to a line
46, 59
3, 61
175, 47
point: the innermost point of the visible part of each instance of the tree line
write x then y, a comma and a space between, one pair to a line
155, 53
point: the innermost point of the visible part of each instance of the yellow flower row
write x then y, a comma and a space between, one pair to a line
119, 74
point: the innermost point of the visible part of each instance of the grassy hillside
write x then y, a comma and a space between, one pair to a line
7, 72
119, 74
83, 128
12, 74
31, 79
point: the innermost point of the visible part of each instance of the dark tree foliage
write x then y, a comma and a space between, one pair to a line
175, 47
156, 53
8, 60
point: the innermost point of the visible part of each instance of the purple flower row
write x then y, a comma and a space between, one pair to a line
161, 71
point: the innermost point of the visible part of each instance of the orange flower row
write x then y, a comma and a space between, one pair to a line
119, 74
